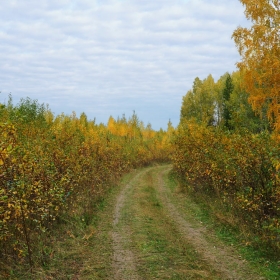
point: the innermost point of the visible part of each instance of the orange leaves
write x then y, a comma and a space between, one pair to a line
260, 49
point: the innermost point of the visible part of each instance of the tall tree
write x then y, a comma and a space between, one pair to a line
229, 87
242, 115
198, 103
259, 47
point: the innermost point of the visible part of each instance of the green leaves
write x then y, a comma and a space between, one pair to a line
199, 103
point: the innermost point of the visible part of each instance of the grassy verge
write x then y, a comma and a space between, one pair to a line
227, 227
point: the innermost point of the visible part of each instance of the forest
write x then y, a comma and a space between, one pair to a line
227, 142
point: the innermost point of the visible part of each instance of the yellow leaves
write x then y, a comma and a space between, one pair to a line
277, 167
91, 232
260, 50
10, 205
49, 170
208, 172
240, 170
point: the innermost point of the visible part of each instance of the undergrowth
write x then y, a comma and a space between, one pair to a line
230, 228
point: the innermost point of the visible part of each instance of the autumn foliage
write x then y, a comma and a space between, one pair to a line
260, 52
227, 144
232, 154
234, 157
240, 170
52, 166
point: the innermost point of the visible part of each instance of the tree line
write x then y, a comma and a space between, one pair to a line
227, 143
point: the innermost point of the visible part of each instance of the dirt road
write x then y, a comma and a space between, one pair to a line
152, 235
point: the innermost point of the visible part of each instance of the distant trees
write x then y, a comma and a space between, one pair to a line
198, 103
233, 100
222, 104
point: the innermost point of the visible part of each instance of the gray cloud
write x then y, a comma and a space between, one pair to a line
115, 56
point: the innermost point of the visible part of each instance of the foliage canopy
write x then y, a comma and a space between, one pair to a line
259, 47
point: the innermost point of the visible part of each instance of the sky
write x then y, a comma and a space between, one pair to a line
112, 57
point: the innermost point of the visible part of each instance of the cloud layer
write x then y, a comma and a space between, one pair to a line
111, 57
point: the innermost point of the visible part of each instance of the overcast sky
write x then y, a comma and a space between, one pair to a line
110, 57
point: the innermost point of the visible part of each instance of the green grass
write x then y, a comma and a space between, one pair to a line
162, 251
228, 228
81, 246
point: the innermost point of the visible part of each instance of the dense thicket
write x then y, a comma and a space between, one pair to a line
228, 138
50, 165
222, 148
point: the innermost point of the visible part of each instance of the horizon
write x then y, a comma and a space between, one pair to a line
115, 57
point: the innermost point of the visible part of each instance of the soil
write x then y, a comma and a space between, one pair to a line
218, 255
135, 207
123, 257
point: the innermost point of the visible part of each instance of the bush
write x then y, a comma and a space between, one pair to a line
240, 169
50, 165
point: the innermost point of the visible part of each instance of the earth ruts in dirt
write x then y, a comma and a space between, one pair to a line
154, 237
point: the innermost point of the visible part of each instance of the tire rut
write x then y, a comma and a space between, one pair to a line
219, 257
124, 261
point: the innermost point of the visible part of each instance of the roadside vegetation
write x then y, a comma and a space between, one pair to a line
54, 169
227, 149
63, 215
